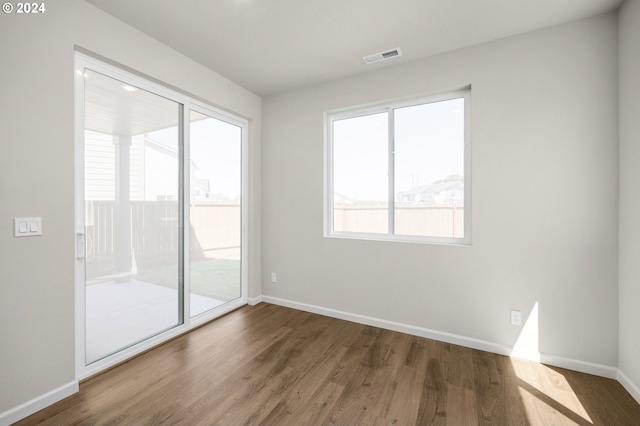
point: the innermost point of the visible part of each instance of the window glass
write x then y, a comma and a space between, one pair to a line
131, 187
400, 172
215, 212
360, 174
429, 169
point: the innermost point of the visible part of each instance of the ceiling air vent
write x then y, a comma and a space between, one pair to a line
382, 56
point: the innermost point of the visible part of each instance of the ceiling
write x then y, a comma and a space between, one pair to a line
113, 107
271, 46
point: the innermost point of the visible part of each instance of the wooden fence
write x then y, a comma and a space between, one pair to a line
215, 233
435, 221
216, 229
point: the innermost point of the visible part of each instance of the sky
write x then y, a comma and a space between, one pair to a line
215, 149
216, 152
215, 145
429, 146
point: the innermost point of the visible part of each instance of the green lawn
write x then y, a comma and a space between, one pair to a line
215, 278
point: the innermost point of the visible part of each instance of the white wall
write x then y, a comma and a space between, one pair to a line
545, 198
37, 175
629, 286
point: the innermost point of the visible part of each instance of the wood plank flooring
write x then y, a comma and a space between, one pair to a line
272, 365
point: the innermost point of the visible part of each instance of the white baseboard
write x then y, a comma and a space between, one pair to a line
601, 370
37, 404
631, 387
253, 301
469, 342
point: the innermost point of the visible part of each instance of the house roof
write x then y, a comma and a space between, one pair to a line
436, 187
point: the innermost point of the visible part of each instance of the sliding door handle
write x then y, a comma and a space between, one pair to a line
81, 245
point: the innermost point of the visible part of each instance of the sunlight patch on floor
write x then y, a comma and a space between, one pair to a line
547, 395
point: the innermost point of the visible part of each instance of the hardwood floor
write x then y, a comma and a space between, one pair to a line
277, 366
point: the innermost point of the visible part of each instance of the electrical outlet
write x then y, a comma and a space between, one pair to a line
516, 317
274, 278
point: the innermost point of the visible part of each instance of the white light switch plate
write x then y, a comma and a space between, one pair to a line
27, 226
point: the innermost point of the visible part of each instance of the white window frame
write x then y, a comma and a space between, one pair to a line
335, 115
83, 62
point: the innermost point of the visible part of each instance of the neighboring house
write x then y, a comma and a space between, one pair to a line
200, 189
153, 170
342, 200
447, 191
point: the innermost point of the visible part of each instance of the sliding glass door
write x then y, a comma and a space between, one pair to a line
131, 193
215, 212
159, 213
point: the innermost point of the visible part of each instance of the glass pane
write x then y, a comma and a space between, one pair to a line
215, 210
429, 169
131, 167
360, 174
